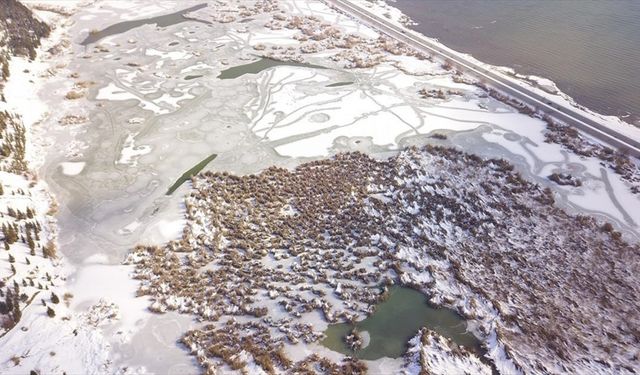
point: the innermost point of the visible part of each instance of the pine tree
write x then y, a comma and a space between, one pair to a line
9, 300
5, 69
51, 312
17, 314
54, 298
31, 243
10, 234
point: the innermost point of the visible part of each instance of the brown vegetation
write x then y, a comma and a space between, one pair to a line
22, 31
564, 179
74, 94
49, 251
281, 235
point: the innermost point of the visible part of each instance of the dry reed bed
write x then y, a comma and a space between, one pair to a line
331, 234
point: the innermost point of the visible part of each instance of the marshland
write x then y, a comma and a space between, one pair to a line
315, 166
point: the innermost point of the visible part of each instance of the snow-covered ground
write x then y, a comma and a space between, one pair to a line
50, 336
439, 356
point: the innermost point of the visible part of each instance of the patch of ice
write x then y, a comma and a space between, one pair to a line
72, 168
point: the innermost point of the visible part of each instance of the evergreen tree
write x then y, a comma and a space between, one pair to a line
9, 300
17, 314
5, 70
10, 234
31, 243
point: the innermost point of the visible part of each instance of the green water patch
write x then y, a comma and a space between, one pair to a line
190, 173
190, 77
395, 322
161, 21
338, 84
260, 65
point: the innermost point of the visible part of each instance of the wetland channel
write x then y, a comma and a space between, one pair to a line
161, 21
260, 65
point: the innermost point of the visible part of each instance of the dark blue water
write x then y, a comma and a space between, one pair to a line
591, 49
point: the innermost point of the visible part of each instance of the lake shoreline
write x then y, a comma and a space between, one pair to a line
454, 38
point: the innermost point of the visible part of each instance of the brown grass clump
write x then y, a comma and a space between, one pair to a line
84, 84
53, 208
50, 250
72, 120
73, 95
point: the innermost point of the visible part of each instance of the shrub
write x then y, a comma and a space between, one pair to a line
67, 298
72, 95
439, 136
49, 251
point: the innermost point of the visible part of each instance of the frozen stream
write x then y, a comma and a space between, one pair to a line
149, 124
131, 156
